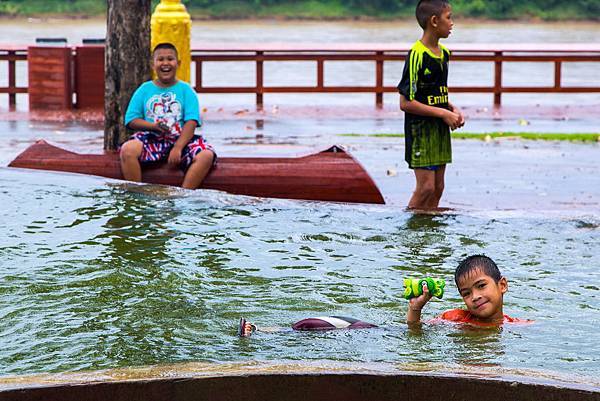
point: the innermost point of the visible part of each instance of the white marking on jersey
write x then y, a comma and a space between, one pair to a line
337, 323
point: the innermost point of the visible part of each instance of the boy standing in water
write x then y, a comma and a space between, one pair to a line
429, 116
482, 289
164, 113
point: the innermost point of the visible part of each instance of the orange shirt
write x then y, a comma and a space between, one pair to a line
464, 316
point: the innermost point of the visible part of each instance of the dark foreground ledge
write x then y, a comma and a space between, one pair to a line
303, 387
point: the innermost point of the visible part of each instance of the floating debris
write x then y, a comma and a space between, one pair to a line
522, 121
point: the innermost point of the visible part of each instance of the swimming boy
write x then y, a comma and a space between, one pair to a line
482, 288
478, 280
429, 116
164, 114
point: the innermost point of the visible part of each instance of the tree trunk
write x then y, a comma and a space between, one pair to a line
127, 62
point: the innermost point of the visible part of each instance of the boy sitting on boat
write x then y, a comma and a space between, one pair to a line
164, 114
478, 280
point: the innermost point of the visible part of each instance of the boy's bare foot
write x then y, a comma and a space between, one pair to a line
245, 329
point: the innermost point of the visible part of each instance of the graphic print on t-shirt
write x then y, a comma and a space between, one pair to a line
165, 108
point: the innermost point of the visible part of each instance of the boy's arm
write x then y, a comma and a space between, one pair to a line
415, 305
191, 116
459, 112
451, 118
134, 116
139, 124
187, 133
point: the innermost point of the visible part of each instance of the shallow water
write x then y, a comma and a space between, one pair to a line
100, 274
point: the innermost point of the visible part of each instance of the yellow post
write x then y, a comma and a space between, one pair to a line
171, 23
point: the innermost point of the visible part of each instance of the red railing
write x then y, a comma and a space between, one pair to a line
259, 54
379, 54
12, 55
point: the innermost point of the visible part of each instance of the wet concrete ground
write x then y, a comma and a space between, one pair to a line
505, 174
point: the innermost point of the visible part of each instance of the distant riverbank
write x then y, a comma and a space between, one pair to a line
561, 10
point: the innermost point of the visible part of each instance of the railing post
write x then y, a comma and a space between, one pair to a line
259, 80
498, 79
12, 81
320, 73
557, 74
198, 73
379, 80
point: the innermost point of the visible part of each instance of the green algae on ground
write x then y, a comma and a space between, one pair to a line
541, 136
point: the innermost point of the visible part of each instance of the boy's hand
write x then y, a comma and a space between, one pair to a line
416, 304
461, 122
175, 156
453, 120
419, 302
160, 127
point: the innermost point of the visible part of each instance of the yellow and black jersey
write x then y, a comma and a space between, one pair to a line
425, 76
425, 79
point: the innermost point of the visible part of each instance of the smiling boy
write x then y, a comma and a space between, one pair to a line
482, 288
164, 114
480, 284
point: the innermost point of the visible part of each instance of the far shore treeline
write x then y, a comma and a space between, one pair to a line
548, 10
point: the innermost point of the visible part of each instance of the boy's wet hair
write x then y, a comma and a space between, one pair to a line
165, 45
477, 262
428, 8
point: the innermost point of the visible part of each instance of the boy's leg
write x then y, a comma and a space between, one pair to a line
130, 164
198, 170
424, 190
434, 200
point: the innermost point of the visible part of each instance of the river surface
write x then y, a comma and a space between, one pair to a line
24, 32
101, 274
98, 274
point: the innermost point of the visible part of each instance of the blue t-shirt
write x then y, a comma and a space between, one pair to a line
173, 106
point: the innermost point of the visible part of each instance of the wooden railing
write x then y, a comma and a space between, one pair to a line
379, 54
12, 55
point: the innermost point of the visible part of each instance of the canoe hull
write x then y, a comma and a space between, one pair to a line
331, 175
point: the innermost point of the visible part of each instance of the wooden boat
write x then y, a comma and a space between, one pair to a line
331, 175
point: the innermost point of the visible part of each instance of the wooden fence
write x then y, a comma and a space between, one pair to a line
12, 55
379, 54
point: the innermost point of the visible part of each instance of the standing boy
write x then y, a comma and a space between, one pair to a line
164, 113
429, 116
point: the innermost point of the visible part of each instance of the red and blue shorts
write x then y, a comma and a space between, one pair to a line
156, 147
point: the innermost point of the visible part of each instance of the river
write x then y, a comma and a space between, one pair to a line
25, 31
98, 274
